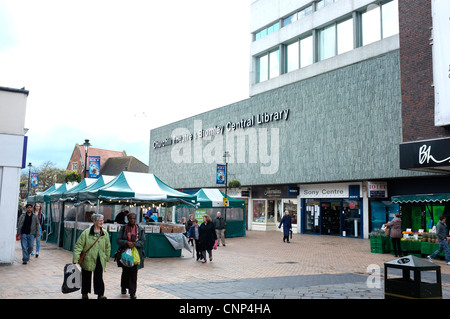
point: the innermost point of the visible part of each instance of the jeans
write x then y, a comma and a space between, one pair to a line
27, 242
38, 241
443, 246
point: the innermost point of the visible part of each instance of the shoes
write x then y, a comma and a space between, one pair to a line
210, 259
203, 261
84, 296
24, 263
102, 297
223, 245
448, 263
37, 255
133, 296
123, 291
430, 259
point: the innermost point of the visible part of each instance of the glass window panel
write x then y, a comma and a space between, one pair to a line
327, 42
288, 20
306, 51
345, 36
371, 25
274, 64
292, 57
263, 68
390, 18
276, 26
320, 4
259, 211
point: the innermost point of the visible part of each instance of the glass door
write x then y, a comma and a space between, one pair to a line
312, 216
330, 212
351, 218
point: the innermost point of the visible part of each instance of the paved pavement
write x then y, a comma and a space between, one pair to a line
258, 266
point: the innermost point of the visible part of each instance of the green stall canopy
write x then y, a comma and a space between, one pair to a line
421, 198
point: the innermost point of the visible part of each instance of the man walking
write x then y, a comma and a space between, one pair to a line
220, 226
28, 228
441, 232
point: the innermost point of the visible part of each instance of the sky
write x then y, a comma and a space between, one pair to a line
110, 71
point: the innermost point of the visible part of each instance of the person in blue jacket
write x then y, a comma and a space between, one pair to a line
287, 226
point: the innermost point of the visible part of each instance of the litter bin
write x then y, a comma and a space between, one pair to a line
425, 283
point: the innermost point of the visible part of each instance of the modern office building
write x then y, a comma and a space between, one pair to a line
337, 89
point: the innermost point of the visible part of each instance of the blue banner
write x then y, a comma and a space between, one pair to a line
34, 179
94, 166
221, 173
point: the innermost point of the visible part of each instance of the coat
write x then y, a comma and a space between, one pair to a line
206, 236
139, 244
102, 248
396, 227
35, 226
287, 224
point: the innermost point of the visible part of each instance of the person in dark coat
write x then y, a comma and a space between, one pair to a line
287, 226
206, 237
131, 235
396, 234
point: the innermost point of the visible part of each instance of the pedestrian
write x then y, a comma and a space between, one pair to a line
38, 212
188, 228
130, 236
27, 231
193, 235
220, 225
396, 234
287, 226
441, 232
121, 217
95, 242
207, 237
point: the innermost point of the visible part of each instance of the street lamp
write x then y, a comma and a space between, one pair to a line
29, 178
86, 148
225, 155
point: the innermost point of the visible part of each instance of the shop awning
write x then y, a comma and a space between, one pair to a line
421, 198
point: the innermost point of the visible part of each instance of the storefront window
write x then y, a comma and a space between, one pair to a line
271, 211
312, 216
259, 211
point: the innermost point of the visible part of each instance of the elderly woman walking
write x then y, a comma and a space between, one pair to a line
130, 236
93, 241
206, 237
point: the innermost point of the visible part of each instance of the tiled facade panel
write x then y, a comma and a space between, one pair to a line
343, 125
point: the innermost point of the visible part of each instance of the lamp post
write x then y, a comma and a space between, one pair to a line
86, 148
29, 178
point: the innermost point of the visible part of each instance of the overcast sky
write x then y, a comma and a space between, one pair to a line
109, 71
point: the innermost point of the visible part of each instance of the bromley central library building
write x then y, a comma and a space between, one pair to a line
347, 121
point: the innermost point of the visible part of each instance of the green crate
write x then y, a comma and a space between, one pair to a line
379, 245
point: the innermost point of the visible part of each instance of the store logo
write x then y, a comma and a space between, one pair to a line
250, 146
425, 156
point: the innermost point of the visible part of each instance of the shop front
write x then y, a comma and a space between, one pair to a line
269, 204
332, 209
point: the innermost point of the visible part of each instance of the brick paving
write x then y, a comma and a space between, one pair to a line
258, 266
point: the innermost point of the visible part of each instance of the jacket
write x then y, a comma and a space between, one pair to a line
396, 227
35, 226
286, 221
441, 231
219, 223
139, 244
206, 236
101, 248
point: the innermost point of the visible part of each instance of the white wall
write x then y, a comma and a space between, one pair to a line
12, 119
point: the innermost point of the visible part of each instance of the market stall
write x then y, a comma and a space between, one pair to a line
210, 201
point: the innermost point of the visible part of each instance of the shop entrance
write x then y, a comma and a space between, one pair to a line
330, 212
338, 217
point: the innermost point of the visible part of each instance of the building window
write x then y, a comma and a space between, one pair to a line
379, 22
336, 39
268, 30
306, 51
345, 36
327, 42
259, 211
268, 66
292, 56
323, 3
297, 15
75, 166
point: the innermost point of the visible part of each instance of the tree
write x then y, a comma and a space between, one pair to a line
48, 175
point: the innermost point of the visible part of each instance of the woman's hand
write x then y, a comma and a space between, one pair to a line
130, 244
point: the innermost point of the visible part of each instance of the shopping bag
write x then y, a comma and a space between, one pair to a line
72, 278
215, 245
127, 258
136, 257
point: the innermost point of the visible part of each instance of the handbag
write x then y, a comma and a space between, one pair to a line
83, 254
72, 278
127, 258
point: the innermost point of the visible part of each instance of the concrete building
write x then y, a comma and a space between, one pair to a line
13, 145
321, 132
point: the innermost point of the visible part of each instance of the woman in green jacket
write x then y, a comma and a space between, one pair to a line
97, 239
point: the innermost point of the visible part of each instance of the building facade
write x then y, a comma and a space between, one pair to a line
12, 159
321, 132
